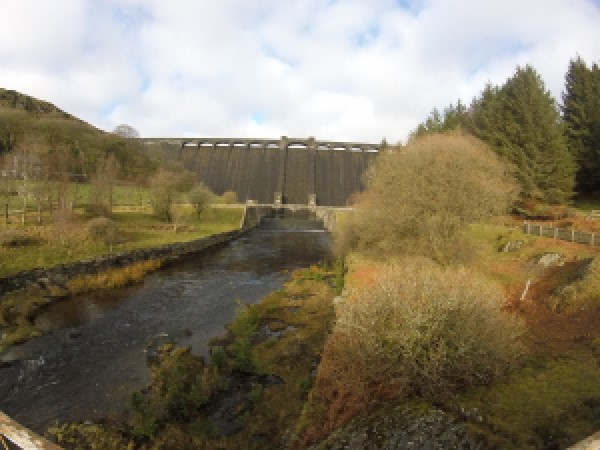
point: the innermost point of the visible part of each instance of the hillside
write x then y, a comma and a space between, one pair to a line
15, 100
34, 125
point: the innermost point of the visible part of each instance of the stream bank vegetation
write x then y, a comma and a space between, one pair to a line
18, 309
445, 325
84, 237
248, 395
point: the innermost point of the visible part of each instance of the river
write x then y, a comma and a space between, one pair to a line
95, 347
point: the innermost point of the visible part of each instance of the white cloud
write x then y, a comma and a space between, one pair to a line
345, 69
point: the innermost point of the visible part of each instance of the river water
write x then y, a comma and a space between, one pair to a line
94, 351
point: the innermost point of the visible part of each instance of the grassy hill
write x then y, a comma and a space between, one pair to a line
15, 100
39, 127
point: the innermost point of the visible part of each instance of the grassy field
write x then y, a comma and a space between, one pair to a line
68, 240
78, 194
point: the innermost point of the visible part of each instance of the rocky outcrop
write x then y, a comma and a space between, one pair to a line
402, 427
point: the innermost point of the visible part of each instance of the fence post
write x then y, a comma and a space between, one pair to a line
541, 228
555, 233
572, 235
592, 239
527, 228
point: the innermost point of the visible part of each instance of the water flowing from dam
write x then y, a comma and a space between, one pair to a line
95, 348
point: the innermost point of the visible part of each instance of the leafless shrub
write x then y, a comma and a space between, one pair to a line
420, 198
102, 229
435, 330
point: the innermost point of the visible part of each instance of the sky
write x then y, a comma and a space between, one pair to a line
351, 70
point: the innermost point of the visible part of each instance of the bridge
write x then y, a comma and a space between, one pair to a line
274, 171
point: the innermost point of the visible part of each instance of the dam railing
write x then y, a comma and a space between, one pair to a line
16, 436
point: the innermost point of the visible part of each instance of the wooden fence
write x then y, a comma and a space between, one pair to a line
594, 214
565, 234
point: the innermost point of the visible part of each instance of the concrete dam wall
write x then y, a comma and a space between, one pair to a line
297, 169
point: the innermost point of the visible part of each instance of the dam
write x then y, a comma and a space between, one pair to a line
273, 171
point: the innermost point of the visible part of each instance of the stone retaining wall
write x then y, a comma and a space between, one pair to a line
58, 275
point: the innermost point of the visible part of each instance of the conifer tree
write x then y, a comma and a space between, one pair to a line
521, 121
581, 116
453, 117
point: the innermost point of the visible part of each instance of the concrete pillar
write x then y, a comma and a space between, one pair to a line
312, 172
283, 147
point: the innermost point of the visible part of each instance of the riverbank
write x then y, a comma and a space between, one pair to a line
250, 392
29, 291
96, 346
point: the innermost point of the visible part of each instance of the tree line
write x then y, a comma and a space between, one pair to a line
554, 148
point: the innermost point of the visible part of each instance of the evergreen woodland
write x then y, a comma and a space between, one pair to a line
581, 116
554, 156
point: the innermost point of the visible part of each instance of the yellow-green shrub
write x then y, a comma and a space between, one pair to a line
437, 330
410, 328
112, 278
421, 198
102, 229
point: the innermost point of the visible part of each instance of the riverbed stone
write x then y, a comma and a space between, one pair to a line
549, 259
512, 246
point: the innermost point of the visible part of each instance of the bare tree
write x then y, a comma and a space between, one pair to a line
199, 197
26, 167
180, 214
126, 131
103, 183
166, 186
6, 184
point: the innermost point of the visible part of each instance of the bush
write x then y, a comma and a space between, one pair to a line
10, 239
97, 210
421, 198
229, 197
181, 385
101, 229
424, 330
243, 328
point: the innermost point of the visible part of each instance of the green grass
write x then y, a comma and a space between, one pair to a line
549, 403
78, 193
59, 245
586, 204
